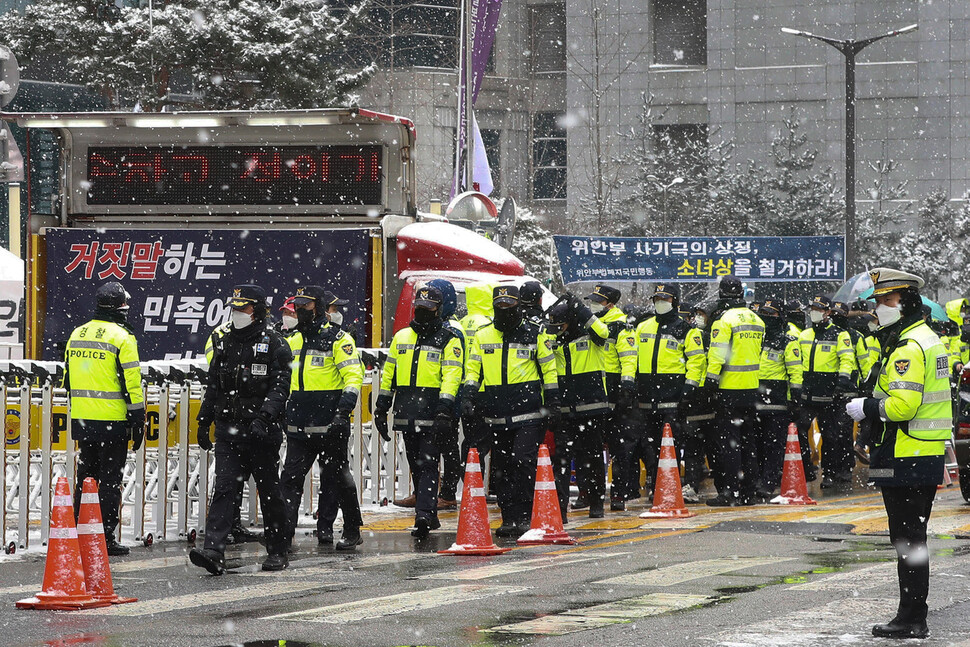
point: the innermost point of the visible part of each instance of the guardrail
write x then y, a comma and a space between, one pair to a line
167, 482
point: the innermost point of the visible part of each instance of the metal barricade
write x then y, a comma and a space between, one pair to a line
167, 482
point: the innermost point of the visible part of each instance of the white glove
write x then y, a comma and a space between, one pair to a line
854, 409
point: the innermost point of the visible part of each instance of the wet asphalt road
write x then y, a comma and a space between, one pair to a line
764, 575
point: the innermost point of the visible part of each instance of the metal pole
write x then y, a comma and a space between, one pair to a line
469, 139
850, 223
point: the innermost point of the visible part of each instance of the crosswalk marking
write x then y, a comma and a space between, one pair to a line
371, 608
207, 598
679, 573
521, 566
603, 615
312, 568
810, 627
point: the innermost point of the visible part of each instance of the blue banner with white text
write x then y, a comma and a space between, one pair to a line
750, 258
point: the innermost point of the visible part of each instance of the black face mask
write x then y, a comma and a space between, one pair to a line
304, 318
772, 324
507, 319
425, 316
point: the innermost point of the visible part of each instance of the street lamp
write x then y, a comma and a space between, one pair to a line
849, 49
664, 188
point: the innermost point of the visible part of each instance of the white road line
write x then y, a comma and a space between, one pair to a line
207, 598
18, 590
175, 560
685, 572
603, 615
811, 627
401, 603
521, 566
336, 566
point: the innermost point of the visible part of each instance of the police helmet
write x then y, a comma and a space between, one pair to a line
112, 296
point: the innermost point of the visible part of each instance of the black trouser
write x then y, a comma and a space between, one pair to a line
803, 422
651, 433
330, 449
836, 446
104, 461
235, 461
769, 446
619, 430
423, 461
477, 435
909, 511
697, 438
514, 456
580, 441
454, 464
735, 429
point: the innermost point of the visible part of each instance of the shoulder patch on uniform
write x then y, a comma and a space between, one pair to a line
631, 341
714, 333
457, 351
548, 343
794, 351
902, 365
846, 342
347, 348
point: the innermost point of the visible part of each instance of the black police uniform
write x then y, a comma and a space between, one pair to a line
246, 391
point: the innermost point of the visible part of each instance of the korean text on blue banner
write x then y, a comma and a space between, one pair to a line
751, 258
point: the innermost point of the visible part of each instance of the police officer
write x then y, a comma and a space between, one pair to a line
828, 360
733, 364
699, 437
620, 363
478, 303
795, 316
454, 462
670, 364
422, 375
780, 382
516, 371
912, 419
582, 393
324, 389
245, 397
530, 300
958, 310
239, 534
103, 379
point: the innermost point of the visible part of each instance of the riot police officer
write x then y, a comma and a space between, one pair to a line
103, 379
828, 359
780, 382
323, 393
620, 363
245, 398
911, 419
516, 372
733, 364
584, 403
421, 376
670, 364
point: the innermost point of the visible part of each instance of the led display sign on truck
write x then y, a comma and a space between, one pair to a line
243, 175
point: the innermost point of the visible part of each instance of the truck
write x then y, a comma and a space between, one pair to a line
181, 206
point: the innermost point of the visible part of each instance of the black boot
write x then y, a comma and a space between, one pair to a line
325, 536
897, 629
276, 563
115, 549
350, 540
424, 525
596, 509
581, 502
209, 559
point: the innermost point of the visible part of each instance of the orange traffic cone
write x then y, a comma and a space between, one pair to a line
546, 525
668, 500
64, 588
94, 550
794, 491
474, 533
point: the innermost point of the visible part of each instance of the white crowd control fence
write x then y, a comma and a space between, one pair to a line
168, 481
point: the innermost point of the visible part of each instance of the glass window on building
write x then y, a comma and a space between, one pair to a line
426, 33
547, 31
679, 32
548, 157
684, 142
